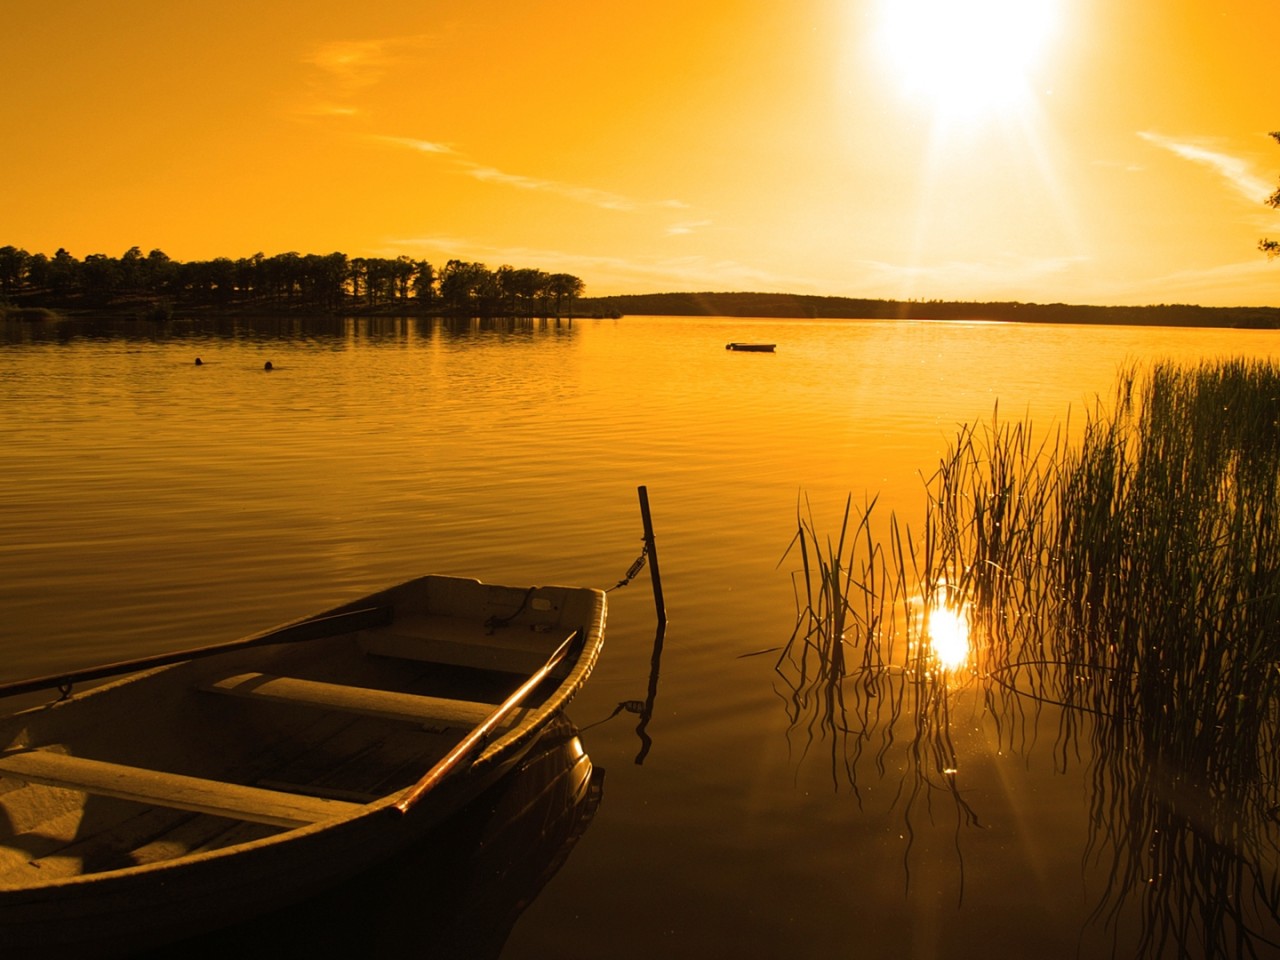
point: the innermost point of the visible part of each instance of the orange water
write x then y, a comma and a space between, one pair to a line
148, 503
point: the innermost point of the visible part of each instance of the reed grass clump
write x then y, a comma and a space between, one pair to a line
1130, 578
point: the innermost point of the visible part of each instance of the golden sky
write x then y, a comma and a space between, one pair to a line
1087, 151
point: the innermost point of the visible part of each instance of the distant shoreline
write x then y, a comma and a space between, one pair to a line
784, 306
777, 306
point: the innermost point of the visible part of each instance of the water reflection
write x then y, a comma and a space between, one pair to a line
643, 709
1193, 855
947, 632
221, 498
278, 327
458, 894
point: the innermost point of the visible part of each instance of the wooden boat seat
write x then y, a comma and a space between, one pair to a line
462, 642
413, 708
158, 788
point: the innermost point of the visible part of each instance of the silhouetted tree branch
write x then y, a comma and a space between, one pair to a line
1272, 247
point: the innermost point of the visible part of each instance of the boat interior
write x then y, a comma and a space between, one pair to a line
228, 749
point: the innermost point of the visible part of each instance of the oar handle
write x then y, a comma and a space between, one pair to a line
310, 629
474, 740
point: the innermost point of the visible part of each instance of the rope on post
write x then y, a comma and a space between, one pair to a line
648, 554
632, 570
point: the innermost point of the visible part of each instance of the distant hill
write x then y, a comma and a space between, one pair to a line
799, 306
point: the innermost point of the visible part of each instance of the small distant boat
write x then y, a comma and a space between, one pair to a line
752, 347
230, 781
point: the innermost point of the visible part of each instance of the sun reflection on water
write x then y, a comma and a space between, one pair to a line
948, 633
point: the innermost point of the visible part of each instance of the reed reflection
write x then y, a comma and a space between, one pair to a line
861, 664
1130, 584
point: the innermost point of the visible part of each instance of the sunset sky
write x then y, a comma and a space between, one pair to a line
1087, 151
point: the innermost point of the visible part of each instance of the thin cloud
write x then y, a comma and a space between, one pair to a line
588, 195
1117, 165
347, 68
1234, 170
1001, 278
686, 227
1215, 285
975, 273
411, 143
351, 64
604, 199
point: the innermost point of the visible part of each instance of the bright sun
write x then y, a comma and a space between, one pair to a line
967, 59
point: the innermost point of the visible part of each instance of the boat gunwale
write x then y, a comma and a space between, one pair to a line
499, 755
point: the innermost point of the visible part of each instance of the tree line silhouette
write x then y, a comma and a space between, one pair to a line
812, 307
327, 282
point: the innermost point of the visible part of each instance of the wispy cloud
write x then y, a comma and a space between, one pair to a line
588, 195
973, 275
686, 227
485, 173
1004, 277
351, 64
1234, 170
411, 143
1074, 279
346, 68
1124, 167
1218, 285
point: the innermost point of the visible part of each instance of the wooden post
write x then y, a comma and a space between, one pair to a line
653, 557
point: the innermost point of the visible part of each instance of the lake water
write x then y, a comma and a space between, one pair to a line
149, 503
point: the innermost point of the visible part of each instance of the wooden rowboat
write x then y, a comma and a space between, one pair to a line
751, 347
246, 777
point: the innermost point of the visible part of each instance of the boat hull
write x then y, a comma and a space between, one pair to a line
114, 891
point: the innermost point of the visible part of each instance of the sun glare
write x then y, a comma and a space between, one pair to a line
948, 632
965, 58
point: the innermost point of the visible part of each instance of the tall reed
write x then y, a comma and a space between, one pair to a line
1131, 579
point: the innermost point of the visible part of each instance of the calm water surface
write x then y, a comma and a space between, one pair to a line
148, 503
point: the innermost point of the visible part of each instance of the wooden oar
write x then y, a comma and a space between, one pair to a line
474, 740
312, 629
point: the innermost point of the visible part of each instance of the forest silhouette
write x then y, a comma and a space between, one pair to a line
154, 286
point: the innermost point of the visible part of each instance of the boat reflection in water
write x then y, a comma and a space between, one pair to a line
460, 892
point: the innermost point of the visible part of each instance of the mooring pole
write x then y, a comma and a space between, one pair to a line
652, 549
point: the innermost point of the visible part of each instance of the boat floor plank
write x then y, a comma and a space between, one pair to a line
460, 642
83, 841
367, 761
172, 790
379, 768
57, 833
276, 744
27, 809
201, 835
